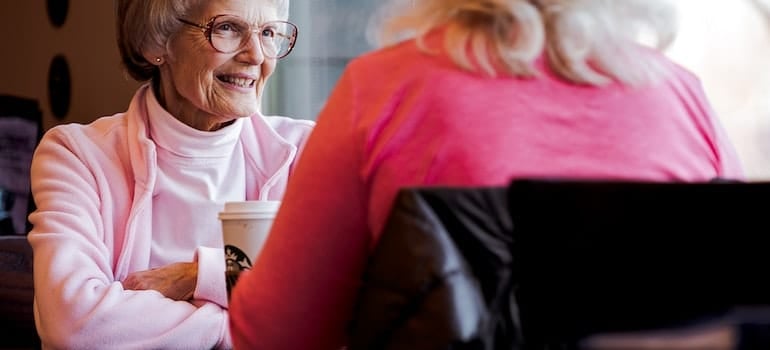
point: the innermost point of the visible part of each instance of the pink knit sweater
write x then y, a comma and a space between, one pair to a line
399, 117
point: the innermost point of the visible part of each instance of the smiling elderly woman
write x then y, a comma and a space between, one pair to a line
127, 244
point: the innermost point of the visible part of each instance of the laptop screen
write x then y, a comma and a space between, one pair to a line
604, 256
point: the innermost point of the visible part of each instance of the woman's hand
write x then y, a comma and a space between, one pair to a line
175, 281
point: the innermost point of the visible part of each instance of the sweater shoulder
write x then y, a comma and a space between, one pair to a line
101, 135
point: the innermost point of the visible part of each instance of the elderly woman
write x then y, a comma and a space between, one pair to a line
127, 244
476, 93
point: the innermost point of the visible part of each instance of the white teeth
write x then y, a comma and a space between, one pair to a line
240, 82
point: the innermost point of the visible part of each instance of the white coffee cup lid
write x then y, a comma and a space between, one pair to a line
249, 210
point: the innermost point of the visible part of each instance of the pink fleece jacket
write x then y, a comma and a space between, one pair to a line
93, 187
399, 117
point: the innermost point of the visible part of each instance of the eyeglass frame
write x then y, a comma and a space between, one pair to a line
210, 23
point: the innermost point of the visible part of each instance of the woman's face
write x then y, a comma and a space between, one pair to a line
207, 89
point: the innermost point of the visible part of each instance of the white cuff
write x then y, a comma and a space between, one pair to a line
211, 275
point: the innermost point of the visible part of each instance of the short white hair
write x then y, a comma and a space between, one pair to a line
148, 24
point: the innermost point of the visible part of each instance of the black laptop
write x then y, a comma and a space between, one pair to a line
614, 256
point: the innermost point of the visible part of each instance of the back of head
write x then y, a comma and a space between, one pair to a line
586, 41
143, 25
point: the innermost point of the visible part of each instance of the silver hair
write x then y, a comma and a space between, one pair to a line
144, 25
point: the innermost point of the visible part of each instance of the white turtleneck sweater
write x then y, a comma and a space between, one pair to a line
197, 172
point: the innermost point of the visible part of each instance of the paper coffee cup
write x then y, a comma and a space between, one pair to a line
245, 227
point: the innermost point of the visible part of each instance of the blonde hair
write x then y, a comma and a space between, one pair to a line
585, 41
144, 25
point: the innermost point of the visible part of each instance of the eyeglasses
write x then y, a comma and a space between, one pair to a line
228, 34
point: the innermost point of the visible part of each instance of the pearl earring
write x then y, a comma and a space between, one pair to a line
158, 60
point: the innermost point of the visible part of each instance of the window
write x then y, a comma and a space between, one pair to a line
331, 33
727, 44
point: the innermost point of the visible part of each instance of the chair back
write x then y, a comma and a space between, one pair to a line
440, 276
546, 263
17, 322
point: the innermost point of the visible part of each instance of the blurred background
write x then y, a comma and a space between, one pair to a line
725, 42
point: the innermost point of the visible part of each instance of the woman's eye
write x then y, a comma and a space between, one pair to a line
268, 32
227, 27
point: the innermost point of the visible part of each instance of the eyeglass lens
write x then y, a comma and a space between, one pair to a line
229, 34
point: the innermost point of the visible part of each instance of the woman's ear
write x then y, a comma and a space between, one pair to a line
156, 60
155, 56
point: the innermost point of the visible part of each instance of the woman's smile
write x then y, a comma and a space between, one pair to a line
238, 81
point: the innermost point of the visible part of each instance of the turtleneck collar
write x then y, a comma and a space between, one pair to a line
183, 141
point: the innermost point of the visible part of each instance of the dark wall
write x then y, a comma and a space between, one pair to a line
86, 39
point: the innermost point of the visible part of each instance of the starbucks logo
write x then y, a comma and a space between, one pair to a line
236, 259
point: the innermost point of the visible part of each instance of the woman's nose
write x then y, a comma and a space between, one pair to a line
252, 52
